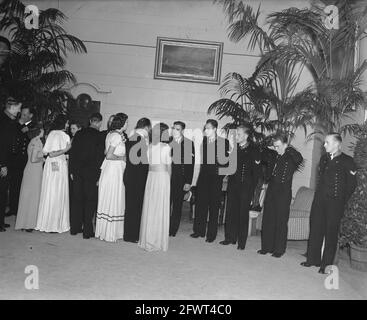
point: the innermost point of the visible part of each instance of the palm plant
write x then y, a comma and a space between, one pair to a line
268, 99
354, 223
329, 55
36, 69
244, 104
298, 38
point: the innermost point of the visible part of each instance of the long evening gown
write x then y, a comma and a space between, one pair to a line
30, 190
53, 210
154, 227
111, 193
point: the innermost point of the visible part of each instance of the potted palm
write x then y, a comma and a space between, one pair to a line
36, 70
268, 99
295, 40
353, 233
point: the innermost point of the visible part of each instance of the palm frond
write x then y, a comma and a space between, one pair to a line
228, 108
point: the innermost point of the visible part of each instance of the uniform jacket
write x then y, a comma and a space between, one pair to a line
214, 155
286, 165
337, 178
8, 135
268, 160
248, 165
183, 159
19, 154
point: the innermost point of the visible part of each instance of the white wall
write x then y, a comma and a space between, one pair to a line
121, 57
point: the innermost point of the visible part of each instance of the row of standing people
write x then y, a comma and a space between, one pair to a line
336, 184
46, 179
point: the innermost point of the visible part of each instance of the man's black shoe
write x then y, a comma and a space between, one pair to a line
194, 235
227, 242
209, 240
307, 264
322, 270
277, 255
2, 229
262, 251
240, 248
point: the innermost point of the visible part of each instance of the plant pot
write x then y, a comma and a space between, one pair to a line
358, 257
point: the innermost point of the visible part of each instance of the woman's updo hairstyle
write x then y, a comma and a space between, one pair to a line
118, 121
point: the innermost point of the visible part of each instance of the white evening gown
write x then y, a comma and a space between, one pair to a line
53, 210
154, 227
111, 193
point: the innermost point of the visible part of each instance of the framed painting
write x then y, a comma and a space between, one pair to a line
188, 60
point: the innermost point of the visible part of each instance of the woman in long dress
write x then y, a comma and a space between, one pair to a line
53, 211
111, 189
31, 185
154, 227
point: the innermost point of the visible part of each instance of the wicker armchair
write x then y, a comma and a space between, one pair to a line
299, 217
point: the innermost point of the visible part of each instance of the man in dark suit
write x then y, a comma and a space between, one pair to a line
278, 198
337, 182
214, 156
241, 186
8, 135
85, 158
19, 156
135, 177
183, 161
268, 159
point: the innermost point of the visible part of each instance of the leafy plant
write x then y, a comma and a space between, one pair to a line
296, 39
354, 223
268, 99
329, 55
36, 67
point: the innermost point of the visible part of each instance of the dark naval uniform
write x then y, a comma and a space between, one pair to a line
268, 160
209, 186
336, 184
18, 161
241, 186
8, 135
183, 161
277, 201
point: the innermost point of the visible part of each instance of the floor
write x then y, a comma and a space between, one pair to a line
71, 267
